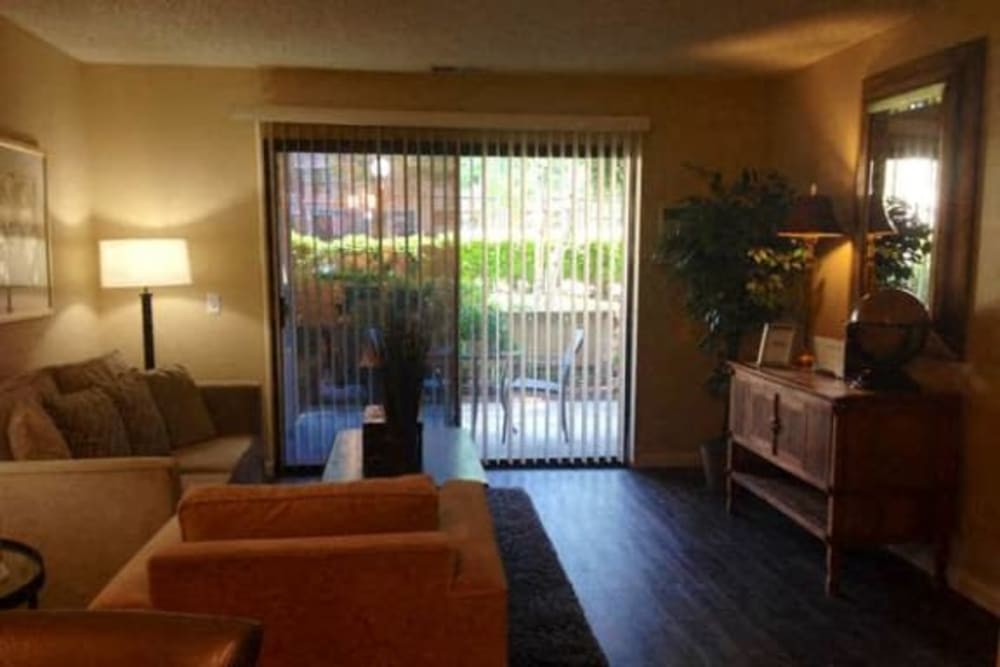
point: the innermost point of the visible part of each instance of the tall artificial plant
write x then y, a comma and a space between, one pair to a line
404, 366
723, 249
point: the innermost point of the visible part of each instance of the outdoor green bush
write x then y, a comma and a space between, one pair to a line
378, 275
363, 259
470, 317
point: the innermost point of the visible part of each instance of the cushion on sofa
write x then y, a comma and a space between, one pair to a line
34, 386
147, 433
387, 505
90, 423
86, 374
32, 434
181, 404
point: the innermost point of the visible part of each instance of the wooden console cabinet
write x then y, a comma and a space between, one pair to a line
853, 467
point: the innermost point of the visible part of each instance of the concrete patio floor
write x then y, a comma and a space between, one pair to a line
536, 437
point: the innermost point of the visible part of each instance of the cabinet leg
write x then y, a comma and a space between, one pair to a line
729, 477
832, 569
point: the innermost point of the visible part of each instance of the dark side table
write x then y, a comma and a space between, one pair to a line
22, 575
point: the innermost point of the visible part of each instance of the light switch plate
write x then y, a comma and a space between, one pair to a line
213, 304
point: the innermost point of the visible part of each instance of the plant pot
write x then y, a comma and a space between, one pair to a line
389, 450
713, 462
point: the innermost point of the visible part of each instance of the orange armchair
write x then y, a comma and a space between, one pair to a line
111, 639
389, 571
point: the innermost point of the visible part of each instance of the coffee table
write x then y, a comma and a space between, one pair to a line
22, 575
449, 453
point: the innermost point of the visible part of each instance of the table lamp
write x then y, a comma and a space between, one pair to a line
810, 219
145, 263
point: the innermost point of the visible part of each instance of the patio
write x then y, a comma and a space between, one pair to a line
593, 428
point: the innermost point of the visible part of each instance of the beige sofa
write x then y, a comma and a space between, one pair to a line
88, 517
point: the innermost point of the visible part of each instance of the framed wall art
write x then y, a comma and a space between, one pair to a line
25, 262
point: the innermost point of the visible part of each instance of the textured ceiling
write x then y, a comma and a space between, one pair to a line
513, 35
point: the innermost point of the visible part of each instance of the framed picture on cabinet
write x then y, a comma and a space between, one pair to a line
25, 264
776, 344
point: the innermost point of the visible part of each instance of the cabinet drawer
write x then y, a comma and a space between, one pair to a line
782, 424
750, 412
804, 435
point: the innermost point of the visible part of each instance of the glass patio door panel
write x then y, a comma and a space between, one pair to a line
545, 222
364, 230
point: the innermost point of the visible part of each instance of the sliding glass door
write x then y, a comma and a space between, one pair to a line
511, 249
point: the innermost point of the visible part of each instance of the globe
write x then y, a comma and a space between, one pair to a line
887, 329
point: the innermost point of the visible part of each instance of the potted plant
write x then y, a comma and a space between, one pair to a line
723, 249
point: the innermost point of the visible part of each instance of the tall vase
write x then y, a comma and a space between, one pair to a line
403, 430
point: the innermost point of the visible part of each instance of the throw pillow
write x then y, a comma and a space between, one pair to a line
255, 511
31, 386
33, 436
147, 433
90, 423
89, 373
181, 404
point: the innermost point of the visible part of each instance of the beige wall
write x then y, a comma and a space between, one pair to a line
815, 135
169, 161
43, 106
169, 156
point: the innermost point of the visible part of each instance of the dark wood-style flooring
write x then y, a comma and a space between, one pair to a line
667, 578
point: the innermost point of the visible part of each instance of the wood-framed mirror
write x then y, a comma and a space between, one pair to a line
918, 183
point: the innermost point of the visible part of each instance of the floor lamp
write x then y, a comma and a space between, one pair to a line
810, 219
145, 263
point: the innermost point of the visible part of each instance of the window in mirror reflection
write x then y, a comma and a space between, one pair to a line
904, 176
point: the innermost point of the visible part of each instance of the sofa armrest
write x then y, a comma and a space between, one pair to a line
464, 517
317, 597
236, 408
86, 516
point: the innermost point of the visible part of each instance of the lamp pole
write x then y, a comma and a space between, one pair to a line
807, 358
148, 355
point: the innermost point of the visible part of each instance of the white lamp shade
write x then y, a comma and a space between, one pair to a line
145, 263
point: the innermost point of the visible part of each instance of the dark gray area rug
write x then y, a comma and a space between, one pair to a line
547, 624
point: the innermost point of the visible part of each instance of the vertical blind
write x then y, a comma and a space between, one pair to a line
512, 249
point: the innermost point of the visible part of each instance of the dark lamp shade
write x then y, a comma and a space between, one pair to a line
811, 217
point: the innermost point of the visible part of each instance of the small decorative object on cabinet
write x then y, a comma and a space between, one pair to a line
853, 467
776, 343
888, 329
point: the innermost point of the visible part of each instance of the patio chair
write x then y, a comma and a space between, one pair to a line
541, 385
